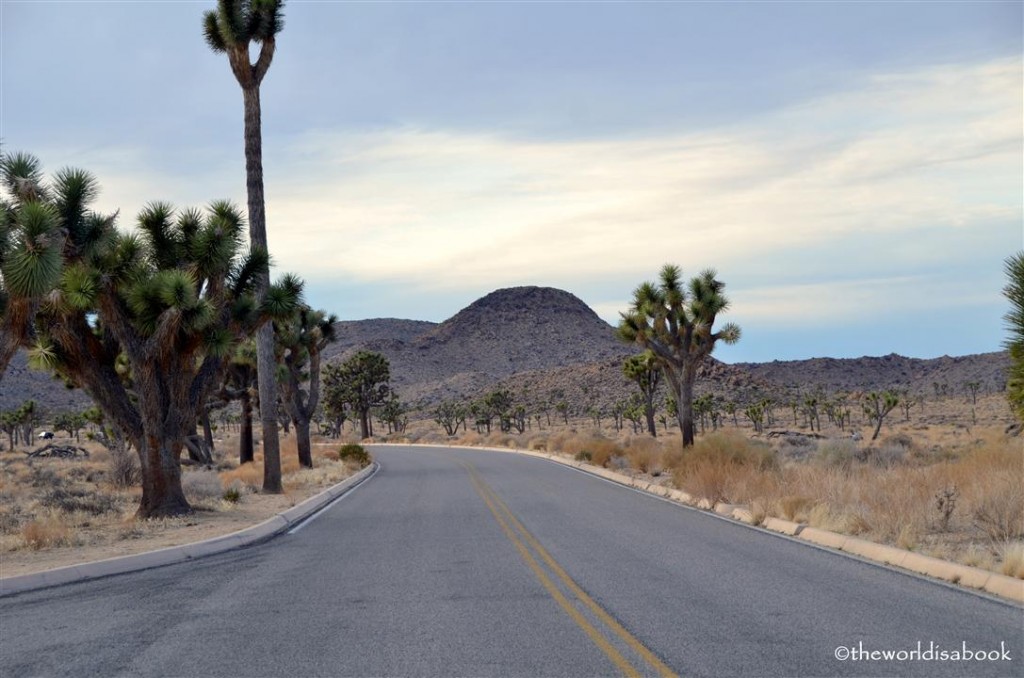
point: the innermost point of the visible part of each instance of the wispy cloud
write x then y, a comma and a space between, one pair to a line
820, 210
904, 153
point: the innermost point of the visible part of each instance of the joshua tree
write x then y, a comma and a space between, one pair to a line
644, 371
239, 384
301, 338
36, 221
675, 324
877, 406
1014, 292
361, 382
450, 414
144, 321
230, 30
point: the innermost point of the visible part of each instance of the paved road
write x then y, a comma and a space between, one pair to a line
476, 564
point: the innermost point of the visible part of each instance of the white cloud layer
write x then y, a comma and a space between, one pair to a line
906, 153
901, 163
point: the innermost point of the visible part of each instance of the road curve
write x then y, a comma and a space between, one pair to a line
470, 563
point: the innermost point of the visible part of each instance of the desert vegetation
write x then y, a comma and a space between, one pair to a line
88, 501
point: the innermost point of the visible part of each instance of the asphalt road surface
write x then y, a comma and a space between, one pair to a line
469, 563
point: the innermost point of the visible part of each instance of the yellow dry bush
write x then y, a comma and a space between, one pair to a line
45, 532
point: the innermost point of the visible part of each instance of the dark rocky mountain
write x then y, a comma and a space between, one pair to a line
21, 383
891, 371
508, 331
544, 344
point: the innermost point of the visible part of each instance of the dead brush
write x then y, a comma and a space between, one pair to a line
600, 450
711, 467
45, 532
644, 454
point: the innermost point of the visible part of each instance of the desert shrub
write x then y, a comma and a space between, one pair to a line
202, 487
795, 508
999, 512
85, 501
45, 532
538, 443
248, 475
644, 454
584, 456
123, 470
837, 452
354, 453
711, 466
600, 449
1011, 556
796, 448
885, 455
233, 494
44, 475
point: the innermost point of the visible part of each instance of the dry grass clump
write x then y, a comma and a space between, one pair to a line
203, 489
249, 476
1012, 556
46, 532
596, 450
645, 454
723, 467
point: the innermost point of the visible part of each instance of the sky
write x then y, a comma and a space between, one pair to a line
854, 171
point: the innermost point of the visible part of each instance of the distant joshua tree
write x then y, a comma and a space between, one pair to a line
676, 325
644, 371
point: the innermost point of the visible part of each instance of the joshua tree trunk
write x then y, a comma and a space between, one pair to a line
162, 495
245, 446
207, 428
649, 414
265, 363
684, 412
302, 442
365, 427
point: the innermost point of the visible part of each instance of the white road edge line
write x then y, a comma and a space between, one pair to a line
310, 518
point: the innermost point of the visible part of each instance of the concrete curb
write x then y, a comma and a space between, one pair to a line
954, 573
178, 554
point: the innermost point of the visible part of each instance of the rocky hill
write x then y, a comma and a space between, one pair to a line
545, 344
508, 331
946, 374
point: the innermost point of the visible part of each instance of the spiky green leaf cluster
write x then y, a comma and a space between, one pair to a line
674, 316
33, 260
237, 22
1014, 293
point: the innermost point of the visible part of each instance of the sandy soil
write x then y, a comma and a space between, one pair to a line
142, 536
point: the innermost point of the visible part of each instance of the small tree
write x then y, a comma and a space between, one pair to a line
71, 423
361, 382
644, 371
300, 340
877, 406
394, 414
450, 414
676, 325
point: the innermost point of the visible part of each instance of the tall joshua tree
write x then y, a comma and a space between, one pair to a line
230, 29
675, 324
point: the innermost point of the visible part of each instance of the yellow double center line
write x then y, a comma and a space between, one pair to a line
520, 538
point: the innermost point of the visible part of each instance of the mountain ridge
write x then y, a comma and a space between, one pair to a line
546, 341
